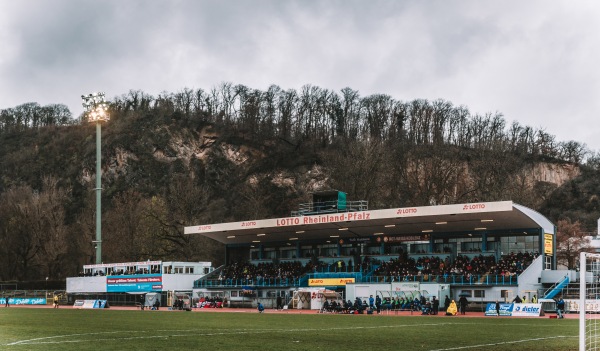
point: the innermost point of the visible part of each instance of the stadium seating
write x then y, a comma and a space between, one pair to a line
423, 268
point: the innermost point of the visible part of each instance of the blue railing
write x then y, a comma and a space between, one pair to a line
558, 288
360, 278
446, 279
257, 282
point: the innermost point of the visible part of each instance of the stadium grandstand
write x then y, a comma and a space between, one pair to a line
486, 251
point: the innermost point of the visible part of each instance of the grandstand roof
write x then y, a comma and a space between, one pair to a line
395, 224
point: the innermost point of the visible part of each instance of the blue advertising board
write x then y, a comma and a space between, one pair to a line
505, 309
134, 283
23, 301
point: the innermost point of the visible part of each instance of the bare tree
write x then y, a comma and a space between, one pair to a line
570, 242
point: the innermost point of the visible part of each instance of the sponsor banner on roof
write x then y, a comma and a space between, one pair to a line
499, 206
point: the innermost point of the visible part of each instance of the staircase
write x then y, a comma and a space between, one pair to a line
557, 288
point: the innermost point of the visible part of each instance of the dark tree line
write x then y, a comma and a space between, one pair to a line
322, 116
32, 115
236, 153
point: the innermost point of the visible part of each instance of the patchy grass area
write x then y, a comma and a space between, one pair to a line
73, 329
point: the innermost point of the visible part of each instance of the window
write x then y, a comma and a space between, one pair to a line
466, 293
178, 270
189, 270
479, 293
234, 294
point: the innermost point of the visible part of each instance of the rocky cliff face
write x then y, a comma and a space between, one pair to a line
531, 183
554, 173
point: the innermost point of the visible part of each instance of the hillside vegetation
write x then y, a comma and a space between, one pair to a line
235, 153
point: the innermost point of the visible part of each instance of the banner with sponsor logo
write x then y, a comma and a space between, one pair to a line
90, 304
330, 281
406, 286
515, 309
548, 244
527, 310
506, 309
23, 301
590, 305
500, 206
134, 283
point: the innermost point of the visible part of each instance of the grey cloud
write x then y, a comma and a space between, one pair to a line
533, 61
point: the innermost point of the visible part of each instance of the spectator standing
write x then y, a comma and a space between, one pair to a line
371, 302
560, 307
435, 304
463, 302
446, 303
378, 303
497, 308
6, 301
279, 303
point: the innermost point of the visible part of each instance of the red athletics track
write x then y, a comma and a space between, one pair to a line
292, 311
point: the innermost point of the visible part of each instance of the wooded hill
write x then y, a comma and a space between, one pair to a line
235, 153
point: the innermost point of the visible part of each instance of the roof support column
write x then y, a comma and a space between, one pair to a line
484, 242
431, 243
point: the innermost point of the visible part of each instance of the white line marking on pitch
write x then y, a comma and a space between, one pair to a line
195, 333
503, 343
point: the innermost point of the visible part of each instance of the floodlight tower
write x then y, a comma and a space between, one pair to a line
97, 111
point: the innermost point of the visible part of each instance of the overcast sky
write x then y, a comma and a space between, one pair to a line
536, 62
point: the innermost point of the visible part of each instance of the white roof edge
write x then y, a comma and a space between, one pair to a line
417, 211
539, 218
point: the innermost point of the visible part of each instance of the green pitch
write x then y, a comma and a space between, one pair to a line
96, 330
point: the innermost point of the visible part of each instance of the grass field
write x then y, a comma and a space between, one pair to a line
111, 329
